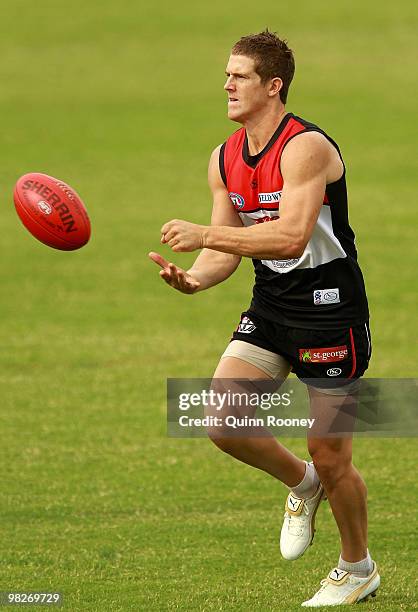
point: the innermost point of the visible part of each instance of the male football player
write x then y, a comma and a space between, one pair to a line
279, 197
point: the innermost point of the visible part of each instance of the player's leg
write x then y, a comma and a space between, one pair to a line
253, 354
330, 359
261, 449
332, 457
334, 408
356, 577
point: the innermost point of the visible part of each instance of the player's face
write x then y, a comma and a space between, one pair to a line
246, 94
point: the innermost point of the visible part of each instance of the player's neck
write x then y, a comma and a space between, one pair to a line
261, 129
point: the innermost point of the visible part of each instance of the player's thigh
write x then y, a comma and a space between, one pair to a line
244, 372
330, 438
237, 381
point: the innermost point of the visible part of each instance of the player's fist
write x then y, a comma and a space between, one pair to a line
174, 276
182, 236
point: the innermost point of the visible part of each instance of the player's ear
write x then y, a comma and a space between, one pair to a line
275, 86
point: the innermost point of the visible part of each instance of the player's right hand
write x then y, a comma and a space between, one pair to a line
174, 276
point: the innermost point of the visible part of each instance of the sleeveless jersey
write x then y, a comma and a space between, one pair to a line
322, 289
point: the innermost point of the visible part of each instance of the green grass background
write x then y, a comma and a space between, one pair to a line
124, 101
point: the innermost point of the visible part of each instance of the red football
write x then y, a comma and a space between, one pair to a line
52, 211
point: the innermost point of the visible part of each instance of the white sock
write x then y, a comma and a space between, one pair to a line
360, 568
309, 483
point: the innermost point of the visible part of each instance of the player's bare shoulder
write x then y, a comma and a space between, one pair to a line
214, 173
310, 153
223, 212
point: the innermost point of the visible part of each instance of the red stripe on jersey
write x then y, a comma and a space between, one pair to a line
353, 353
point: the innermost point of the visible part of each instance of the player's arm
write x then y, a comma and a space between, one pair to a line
210, 267
305, 165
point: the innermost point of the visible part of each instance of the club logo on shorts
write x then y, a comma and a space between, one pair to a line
326, 296
44, 207
237, 200
323, 355
334, 371
246, 326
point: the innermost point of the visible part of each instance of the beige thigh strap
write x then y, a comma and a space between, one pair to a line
272, 364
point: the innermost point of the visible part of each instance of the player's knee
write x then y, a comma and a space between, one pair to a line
216, 430
218, 437
330, 464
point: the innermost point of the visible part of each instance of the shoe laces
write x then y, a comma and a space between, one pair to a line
324, 583
296, 524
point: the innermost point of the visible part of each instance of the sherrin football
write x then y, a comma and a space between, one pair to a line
52, 211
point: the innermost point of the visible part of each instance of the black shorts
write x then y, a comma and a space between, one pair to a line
331, 355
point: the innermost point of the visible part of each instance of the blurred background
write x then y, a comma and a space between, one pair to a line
125, 102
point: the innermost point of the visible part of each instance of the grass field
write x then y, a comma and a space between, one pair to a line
124, 101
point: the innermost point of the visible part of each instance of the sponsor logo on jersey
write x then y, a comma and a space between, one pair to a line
284, 263
246, 326
266, 218
44, 207
323, 355
237, 200
272, 197
334, 371
326, 296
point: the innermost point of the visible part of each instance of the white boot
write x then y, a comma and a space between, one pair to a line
299, 522
341, 587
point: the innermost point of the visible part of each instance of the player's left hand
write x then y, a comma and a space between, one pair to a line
182, 236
